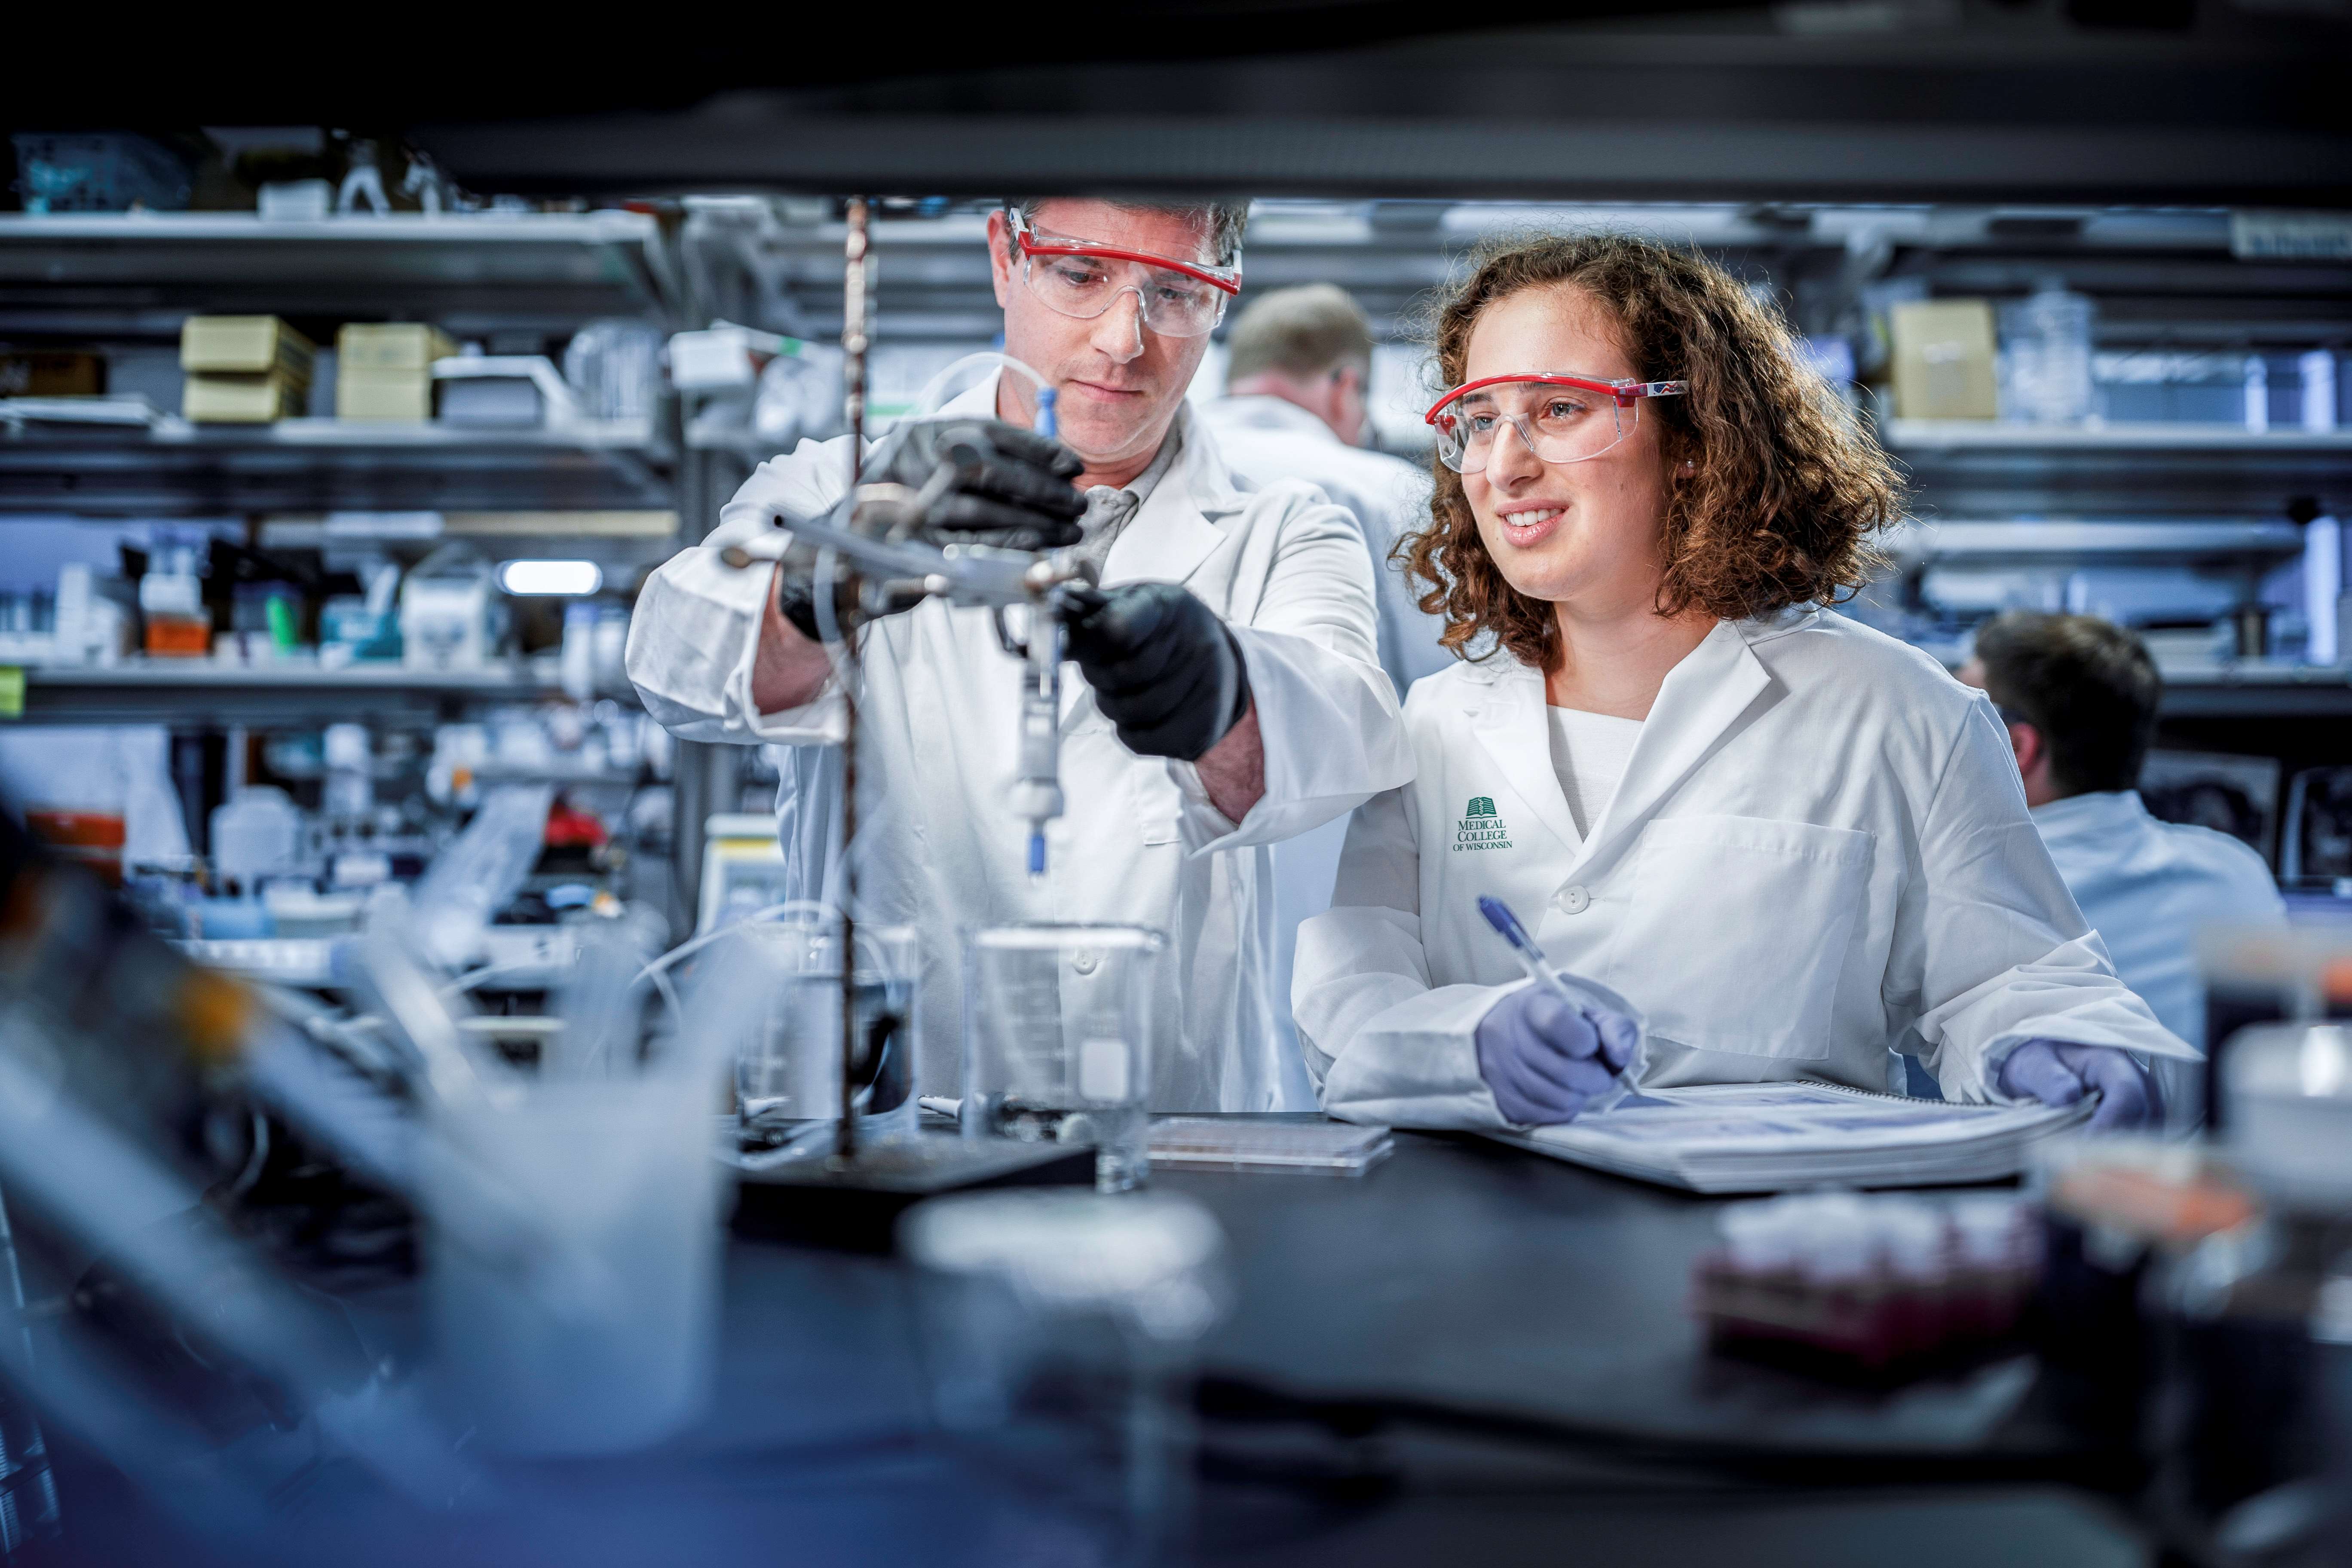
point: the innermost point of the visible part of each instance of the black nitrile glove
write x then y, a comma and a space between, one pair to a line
1164, 669
1017, 497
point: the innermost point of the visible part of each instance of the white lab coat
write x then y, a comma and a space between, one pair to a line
940, 850
2147, 886
1267, 438
1818, 844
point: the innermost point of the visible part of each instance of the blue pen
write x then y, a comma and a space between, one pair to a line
1531, 959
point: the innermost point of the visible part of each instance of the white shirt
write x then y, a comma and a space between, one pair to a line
1820, 844
1267, 438
1141, 843
1588, 752
2148, 887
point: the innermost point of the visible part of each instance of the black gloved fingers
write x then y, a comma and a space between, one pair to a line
965, 512
1024, 484
1034, 537
1151, 703
1037, 451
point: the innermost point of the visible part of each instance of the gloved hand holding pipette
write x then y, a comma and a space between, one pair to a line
1548, 1054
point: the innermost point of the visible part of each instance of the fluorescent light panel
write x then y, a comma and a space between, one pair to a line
572, 578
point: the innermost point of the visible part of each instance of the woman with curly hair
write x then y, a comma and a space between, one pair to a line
1776, 841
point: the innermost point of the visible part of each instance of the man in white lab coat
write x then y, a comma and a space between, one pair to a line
2079, 697
1299, 365
1214, 719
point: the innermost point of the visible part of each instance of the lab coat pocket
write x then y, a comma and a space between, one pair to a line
1736, 930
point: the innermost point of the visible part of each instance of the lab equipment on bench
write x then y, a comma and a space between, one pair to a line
877, 532
1057, 1033
1769, 1137
1628, 1078
788, 1062
1869, 1287
743, 870
1291, 1144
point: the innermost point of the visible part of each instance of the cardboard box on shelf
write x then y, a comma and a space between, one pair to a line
52, 372
383, 394
212, 399
377, 346
245, 345
384, 369
1944, 359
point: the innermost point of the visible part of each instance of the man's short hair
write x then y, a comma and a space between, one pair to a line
2088, 685
1306, 332
1225, 221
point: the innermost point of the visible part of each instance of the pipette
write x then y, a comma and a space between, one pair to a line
1531, 959
1037, 788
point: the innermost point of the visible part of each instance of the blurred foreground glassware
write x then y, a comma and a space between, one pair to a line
1057, 1040
1056, 1309
572, 1259
788, 1062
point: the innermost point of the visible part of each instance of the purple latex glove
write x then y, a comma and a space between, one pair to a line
1546, 1059
2057, 1073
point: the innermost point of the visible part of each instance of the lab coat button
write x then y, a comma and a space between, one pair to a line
1571, 900
1083, 961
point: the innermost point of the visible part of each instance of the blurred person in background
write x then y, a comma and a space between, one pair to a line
1299, 367
2079, 697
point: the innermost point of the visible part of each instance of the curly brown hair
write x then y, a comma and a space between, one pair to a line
1787, 490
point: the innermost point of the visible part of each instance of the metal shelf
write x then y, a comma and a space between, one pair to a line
1984, 469
326, 465
2259, 691
140, 272
196, 692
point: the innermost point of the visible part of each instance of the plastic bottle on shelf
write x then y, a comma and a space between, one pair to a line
257, 834
171, 602
2046, 347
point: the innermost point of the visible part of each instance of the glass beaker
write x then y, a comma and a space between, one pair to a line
788, 1069
572, 1261
1057, 1040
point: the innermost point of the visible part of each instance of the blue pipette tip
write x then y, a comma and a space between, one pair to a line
1045, 410
1036, 854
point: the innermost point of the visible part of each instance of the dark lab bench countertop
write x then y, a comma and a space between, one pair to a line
1469, 1355
1515, 1331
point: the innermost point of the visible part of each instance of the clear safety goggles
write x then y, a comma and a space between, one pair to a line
1080, 279
1560, 419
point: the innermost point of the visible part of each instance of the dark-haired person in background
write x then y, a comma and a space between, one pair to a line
2079, 696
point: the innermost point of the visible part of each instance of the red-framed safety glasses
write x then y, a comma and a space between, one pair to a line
1080, 279
1562, 417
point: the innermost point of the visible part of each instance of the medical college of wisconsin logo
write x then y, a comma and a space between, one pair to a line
1479, 827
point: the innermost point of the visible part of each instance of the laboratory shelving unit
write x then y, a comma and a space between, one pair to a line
1987, 468
176, 469
206, 693
519, 281
130, 278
